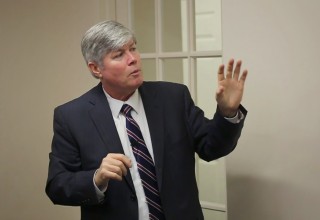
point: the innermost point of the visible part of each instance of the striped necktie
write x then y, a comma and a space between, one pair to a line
145, 165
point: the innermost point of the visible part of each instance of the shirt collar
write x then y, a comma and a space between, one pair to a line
116, 105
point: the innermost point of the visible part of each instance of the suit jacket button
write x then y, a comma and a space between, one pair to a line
133, 197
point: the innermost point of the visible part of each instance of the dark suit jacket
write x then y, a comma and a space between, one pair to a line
84, 133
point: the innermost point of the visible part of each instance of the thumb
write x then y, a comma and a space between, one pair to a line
219, 91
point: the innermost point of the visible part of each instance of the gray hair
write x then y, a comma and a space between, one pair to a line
103, 38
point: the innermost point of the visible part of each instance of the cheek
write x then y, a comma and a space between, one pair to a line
115, 71
119, 71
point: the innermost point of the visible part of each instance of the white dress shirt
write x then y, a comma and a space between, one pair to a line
139, 116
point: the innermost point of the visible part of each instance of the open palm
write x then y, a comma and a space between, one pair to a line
230, 88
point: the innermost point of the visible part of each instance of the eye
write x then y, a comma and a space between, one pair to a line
132, 49
118, 55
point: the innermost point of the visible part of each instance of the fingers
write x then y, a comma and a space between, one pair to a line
116, 164
221, 73
230, 69
232, 72
113, 166
237, 70
243, 76
121, 158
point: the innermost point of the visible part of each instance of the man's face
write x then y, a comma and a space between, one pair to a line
121, 73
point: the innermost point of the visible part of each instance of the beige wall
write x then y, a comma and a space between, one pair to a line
274, 172
41, 66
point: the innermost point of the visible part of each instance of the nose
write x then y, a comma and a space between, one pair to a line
132, 59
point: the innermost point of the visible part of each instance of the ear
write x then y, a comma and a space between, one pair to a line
95, 70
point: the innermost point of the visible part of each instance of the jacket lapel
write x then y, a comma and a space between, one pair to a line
103, 120
154, 114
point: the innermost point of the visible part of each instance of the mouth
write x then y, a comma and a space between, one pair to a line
135, 72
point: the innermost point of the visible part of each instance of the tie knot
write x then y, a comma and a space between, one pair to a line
126, 109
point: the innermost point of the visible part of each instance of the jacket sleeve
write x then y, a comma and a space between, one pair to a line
212, 138
68, 183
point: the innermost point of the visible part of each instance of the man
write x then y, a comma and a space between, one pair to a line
109, 141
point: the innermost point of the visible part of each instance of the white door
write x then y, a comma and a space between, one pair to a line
212, 175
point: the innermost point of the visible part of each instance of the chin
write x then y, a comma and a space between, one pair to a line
139, 81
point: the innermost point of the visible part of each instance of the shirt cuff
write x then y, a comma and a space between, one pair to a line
236, 119
99, 192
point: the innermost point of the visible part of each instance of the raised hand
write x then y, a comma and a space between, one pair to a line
230, 88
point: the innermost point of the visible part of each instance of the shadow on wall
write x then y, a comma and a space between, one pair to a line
257, 198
